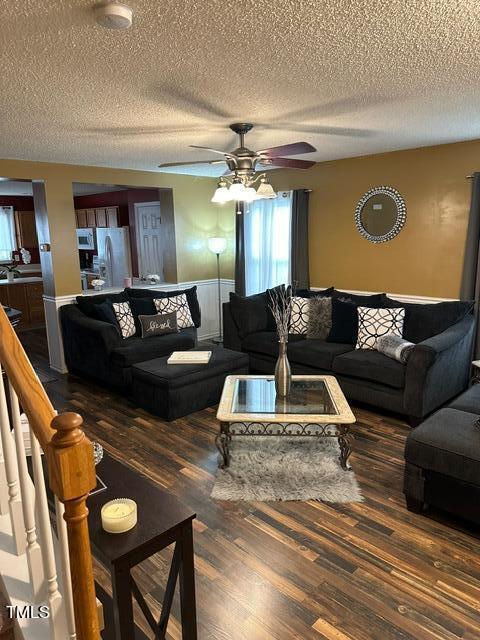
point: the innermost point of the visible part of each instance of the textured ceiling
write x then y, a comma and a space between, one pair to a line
349, 76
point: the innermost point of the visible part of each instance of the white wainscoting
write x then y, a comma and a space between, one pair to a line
207, 291
397, 296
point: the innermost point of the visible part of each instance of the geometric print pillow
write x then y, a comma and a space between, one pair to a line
373, 323
125, 320
179, 304
299, 315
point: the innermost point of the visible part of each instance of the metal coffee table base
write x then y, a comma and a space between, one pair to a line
292, 430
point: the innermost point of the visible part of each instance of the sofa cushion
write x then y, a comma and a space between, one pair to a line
314, 293
447, 442
136, 349
344, 322
266, 343
141, 307
468, 401
250, 313
87, 304
316, 353
373, 300
371, 365
422, 321
191, 294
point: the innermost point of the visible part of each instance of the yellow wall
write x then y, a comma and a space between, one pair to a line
195, 217
426, 258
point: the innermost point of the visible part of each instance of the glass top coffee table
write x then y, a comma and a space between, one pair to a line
315, 407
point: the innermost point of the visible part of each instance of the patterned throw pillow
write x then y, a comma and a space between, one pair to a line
178, 304
299, 315
125, 319
373, 323
395, 347
319, 318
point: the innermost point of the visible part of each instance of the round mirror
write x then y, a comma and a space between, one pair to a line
380, 214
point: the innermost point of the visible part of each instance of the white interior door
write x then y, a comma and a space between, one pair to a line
149, 238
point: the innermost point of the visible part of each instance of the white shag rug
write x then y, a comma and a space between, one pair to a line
268, 468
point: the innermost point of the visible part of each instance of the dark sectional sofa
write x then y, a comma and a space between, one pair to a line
442, 459
95, 349
437, 368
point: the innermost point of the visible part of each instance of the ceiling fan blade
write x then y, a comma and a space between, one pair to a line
223, 153
294, 149
181, 164
291, 163
348, 132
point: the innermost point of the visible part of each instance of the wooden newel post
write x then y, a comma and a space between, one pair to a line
72, 477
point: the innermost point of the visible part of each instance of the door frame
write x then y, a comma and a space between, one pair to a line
137, 230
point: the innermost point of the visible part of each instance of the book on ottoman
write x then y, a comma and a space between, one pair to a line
189, 357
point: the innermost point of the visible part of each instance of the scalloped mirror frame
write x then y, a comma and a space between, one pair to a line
401, 214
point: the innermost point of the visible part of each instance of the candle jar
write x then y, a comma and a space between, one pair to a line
119, 515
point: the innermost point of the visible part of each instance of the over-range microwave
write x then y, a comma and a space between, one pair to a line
86, 239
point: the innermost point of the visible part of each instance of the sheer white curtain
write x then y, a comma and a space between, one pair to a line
267, 243
7, 233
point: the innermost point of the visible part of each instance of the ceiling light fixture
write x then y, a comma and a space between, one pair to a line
241, 188
114, 15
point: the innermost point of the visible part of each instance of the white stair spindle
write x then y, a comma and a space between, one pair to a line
34, 552
54, 597
11, 472
66, 575
3, 484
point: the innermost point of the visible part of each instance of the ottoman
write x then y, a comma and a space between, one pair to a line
442, 461
175, 390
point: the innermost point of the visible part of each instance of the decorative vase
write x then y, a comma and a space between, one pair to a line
10, 276
283, 374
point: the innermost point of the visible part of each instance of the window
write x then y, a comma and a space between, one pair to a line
267, 242
7, 233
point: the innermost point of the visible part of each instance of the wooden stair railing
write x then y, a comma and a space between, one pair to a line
71, 471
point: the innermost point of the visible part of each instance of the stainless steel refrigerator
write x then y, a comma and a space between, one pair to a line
114, 256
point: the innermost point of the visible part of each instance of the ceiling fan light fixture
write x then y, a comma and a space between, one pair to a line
249, 195
237, 189
265, 189
222, 193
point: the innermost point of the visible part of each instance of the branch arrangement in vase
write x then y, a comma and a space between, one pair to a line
281, 307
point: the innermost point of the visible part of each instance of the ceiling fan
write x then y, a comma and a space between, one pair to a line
242, 166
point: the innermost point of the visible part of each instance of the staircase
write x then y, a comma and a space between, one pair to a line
42, 568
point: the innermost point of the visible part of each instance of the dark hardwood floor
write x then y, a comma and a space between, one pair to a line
292, 570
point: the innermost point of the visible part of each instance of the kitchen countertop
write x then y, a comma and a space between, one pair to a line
136, 285
22, 280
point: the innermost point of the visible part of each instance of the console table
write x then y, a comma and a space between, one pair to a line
162, 520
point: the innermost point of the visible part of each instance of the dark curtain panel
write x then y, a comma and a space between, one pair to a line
299, 240
470, 288
239, 249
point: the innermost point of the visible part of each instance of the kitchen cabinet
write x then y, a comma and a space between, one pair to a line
25, 229
81, 215
112, 216
99, 217
26, 297
91, 218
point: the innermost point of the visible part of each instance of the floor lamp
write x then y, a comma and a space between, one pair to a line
218, 246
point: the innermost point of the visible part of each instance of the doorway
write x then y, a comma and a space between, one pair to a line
150, 238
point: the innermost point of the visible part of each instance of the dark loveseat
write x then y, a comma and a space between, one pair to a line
437, 368
95, 348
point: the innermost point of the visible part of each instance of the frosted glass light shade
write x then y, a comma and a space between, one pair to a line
265, 190
236, 191
249, 195
217, 245
221, 195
